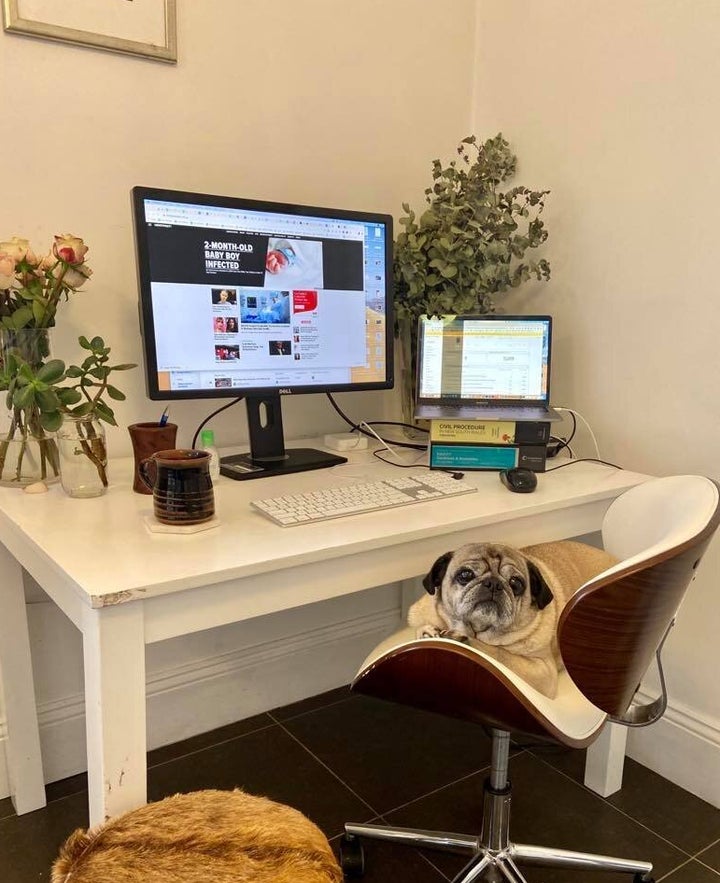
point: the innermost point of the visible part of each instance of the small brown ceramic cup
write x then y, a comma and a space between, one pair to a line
147, 439
181, 486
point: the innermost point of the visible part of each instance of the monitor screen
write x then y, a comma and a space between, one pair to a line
261, 299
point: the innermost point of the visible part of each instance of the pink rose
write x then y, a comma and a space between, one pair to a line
69, 249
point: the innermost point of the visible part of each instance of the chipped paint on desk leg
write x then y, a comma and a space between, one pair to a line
114, 654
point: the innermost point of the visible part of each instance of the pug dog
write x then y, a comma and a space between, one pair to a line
507, 601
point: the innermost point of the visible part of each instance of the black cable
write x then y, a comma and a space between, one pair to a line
380, 451
565, 442
584, 460
560, 443
574, 427
210, 416
356, 427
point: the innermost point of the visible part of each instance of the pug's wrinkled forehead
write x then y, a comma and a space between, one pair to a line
493, 559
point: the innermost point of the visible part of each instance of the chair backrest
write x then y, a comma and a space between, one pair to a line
610, 629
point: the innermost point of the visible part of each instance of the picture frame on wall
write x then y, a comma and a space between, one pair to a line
146, 28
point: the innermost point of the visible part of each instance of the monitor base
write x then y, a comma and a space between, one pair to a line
242, 466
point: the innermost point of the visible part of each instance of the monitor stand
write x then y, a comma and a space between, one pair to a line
268, 455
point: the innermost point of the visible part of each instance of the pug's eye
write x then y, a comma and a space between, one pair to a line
517, 584
464, 576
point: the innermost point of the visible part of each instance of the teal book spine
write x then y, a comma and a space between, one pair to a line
487, 456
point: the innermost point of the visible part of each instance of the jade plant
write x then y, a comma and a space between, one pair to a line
40, 398
84, 399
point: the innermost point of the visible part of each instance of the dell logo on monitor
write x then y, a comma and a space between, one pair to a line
284, 391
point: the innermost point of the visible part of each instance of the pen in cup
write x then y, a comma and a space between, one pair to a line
164, 417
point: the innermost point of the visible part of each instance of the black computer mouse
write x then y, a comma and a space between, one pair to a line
519, 480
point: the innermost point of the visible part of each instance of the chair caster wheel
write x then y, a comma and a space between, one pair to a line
352, 857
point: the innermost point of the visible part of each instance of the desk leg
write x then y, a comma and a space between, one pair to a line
114, 653
605, 760
22, 747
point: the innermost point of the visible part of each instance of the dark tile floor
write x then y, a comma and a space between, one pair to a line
341, 757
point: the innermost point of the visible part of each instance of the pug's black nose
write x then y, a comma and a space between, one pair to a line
492, 584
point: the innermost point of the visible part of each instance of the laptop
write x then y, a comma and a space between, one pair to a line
484, 367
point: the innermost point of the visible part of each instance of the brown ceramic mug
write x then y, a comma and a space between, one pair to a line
181, 486
147, 438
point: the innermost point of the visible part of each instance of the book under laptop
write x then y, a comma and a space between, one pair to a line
484, 367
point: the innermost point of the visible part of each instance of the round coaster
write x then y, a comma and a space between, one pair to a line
155, 526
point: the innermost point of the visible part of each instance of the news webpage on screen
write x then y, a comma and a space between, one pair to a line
244, 299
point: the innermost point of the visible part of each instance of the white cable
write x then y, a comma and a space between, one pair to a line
382, 442
592, 434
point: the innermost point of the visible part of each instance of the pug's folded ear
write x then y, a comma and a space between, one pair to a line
434, 579
539, 589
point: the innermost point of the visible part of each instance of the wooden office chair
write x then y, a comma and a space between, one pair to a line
607, 633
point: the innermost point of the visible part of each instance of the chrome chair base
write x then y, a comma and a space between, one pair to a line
493, 855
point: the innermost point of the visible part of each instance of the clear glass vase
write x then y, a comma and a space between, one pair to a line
28, 453
83, 457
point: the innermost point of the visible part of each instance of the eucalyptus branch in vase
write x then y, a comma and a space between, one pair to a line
84, 400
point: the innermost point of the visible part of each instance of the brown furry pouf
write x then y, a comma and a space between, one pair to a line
202, 837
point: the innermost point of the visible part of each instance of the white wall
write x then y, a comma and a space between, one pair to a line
613, 106
319, 102
311, 101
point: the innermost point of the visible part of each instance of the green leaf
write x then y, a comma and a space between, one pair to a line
22, 316
105, 413
24, 397
115, 393
52, 371
68, 396
84, 342
47, 400
126, 366
82, 410
51, 421
25, 374
97, 343
38, 311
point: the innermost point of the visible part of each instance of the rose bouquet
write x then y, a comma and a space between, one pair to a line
31, 287
31, 290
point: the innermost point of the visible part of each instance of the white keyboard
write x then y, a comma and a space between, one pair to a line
354, 499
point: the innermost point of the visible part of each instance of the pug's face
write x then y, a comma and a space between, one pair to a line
486, 588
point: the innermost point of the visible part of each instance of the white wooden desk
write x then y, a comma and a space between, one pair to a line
125, 587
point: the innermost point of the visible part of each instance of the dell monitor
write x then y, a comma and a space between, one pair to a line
259, 299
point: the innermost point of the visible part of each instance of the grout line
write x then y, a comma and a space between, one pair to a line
300, 714
684, 865
377, 814
209, 747
617, 809
324, 765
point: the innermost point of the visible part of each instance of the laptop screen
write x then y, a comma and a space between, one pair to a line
488, 358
